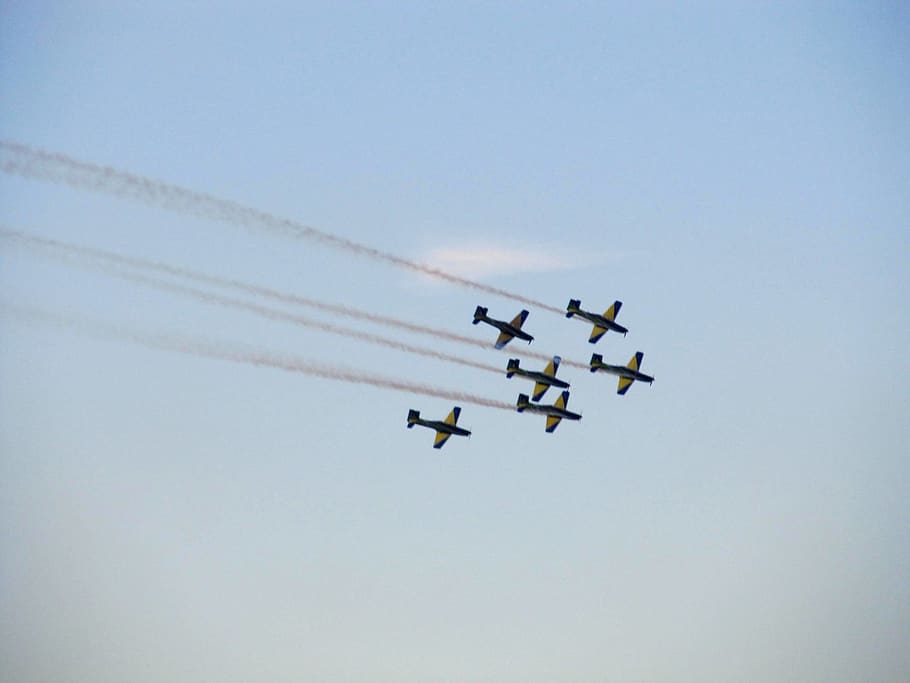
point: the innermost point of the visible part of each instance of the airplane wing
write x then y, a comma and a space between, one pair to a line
635, 362
503, 339
562, 400
519, 319
553, 422
552, 366
613, 311
441, 438
624, 384
539, 390
596, 334
453, 416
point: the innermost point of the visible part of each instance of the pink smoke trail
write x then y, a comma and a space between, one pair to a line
239, 354
138, 263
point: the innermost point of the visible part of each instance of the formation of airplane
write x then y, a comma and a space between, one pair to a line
542, 380
626, 373
602, 323
444, 429
555, 413
507, 331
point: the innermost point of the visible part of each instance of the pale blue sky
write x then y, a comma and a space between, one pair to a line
736, 174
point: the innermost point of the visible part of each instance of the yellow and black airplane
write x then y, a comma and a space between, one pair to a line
444, 429
506, 330
602, 323
555, 413
627, 373
542, 380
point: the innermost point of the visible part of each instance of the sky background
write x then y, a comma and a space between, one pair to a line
735, 173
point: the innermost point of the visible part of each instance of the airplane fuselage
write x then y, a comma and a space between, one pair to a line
441, 426
541, 377
599, 320
508, 328
553, 411
622, 371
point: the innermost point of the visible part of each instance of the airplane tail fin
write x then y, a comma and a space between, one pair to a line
413, 416
511, 367
522, 402
479, 313
596, 359
573, 304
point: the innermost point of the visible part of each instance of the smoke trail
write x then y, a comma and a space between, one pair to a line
138, 263
275, 314
59, 168
249, 288
240, 354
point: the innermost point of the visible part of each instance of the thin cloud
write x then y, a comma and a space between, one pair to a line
484, 261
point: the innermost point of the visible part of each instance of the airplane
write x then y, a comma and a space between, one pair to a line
555, 413
602, 323
444, 429
627, 373
506, 330
542, 380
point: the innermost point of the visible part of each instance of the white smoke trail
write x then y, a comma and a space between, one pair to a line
59, 168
